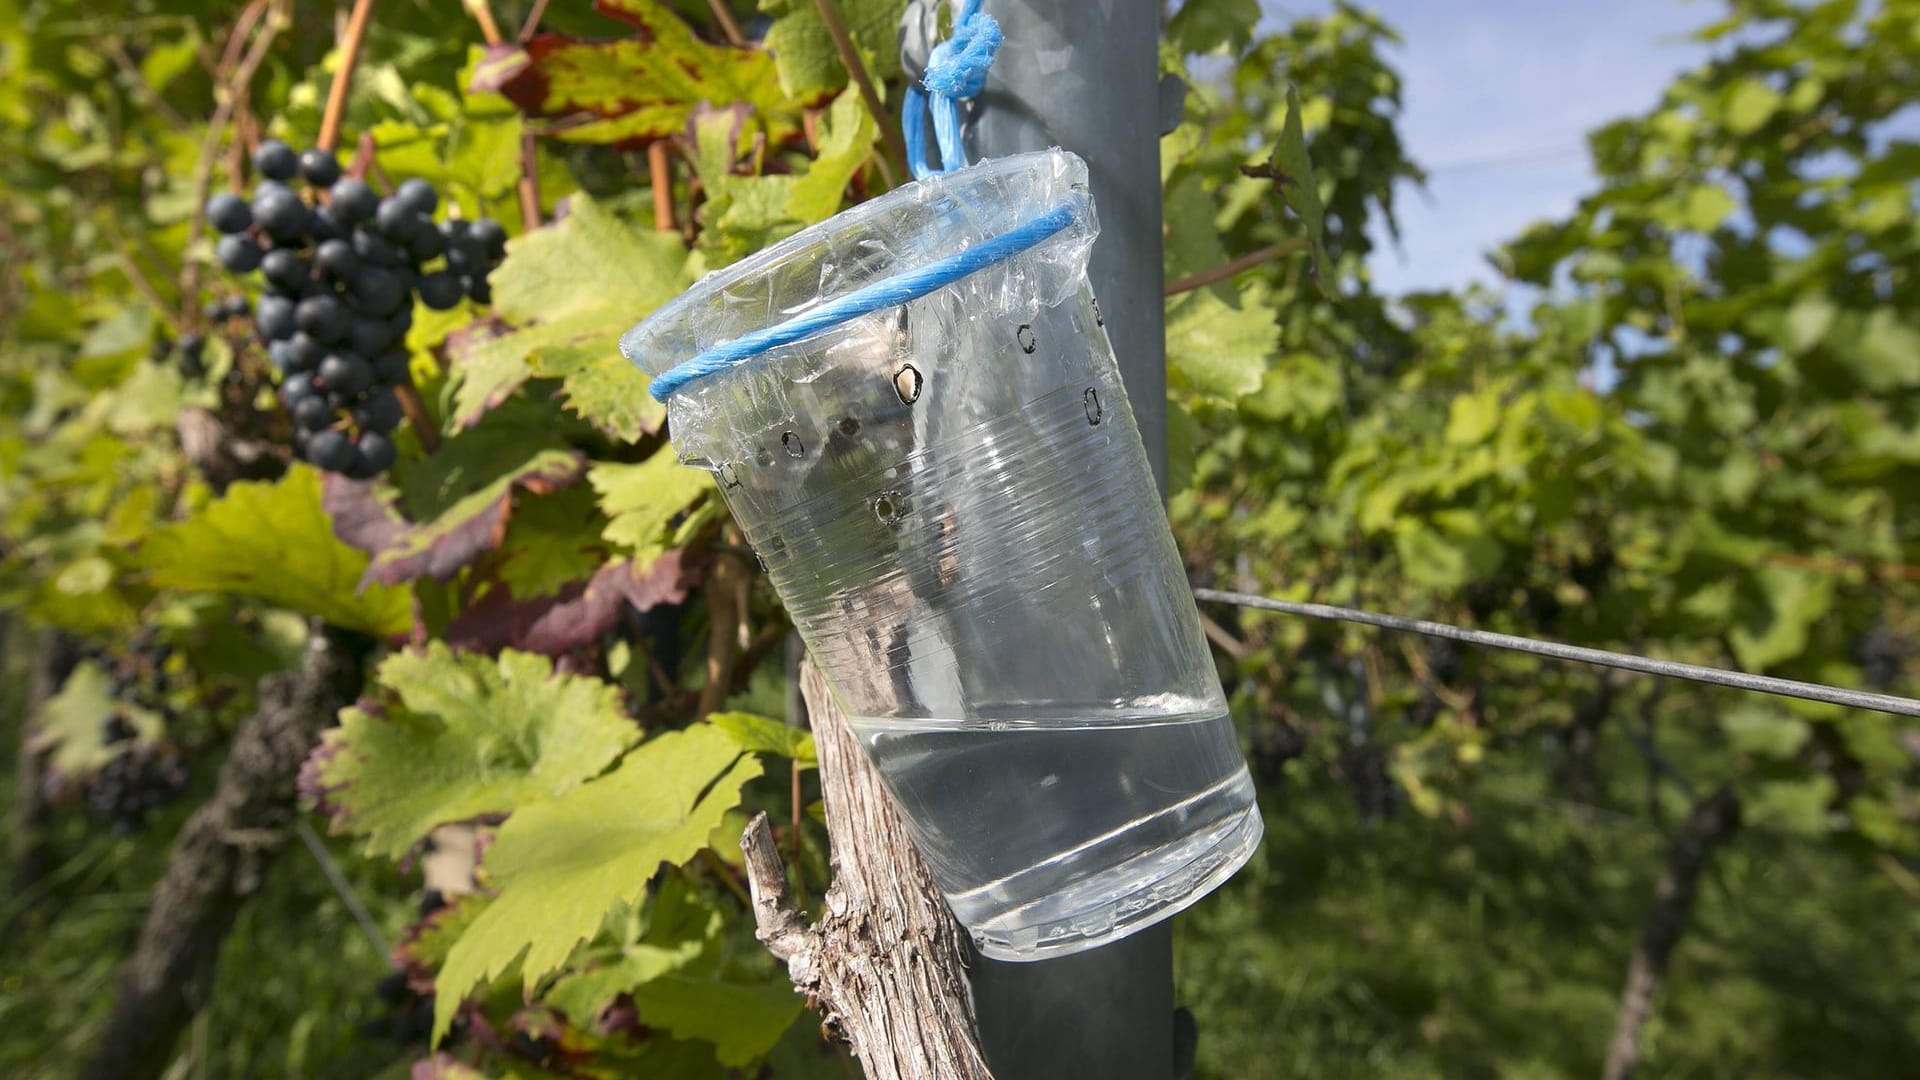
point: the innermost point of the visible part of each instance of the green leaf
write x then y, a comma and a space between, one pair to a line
1806, 323
70, 727
466, 735
803, 50
642, 500
1201, 26
471, 526
844, 146
1886, 352
603, 388
1472, 418
1445, 561
575, 286
1218, 348
742, 1020
1801, 807
562, 865
275, 542
1769, 733
763, 735
1749, 104
1793, 601
1299, 187
582, 995
551, 542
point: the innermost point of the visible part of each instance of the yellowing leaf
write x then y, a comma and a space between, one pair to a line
274, 542
563, 864
603, 388
642, 500
467, 735
844, 147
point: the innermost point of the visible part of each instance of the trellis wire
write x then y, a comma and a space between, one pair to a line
318, 849
1669, 669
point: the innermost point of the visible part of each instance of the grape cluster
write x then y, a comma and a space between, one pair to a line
135, 781
341, 275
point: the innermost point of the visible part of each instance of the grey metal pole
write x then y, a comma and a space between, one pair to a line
1085, 77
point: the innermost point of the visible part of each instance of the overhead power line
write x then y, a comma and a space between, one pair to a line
1739, 680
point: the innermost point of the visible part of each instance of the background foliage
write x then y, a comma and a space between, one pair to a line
1689, 425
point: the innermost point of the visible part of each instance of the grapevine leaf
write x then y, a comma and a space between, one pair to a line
844, 147
634, 89
551, 543
466, 735
582, 995
571, 289
572, 616
1299, 187
804, 52
762, 735
475, 524
742, 1020
70, 727
642, 500
1220, 348
275, 542
603, 388
561, 865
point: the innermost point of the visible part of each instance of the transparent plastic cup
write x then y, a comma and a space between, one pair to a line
952, 499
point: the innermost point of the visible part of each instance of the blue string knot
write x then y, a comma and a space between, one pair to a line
956, 71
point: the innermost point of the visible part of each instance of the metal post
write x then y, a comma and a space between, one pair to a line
1085, 77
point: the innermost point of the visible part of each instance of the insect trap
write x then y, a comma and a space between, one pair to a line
914, 413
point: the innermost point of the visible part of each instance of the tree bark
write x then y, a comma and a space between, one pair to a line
886, 966
1710, 824
219, 857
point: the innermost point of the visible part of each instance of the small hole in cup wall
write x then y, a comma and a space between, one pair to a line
1024, 335
729, 476
1092, 401
763, 456
889, 506
907, 382
795, 448
849, 426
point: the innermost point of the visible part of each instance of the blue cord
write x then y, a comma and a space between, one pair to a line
886, 293
956, 70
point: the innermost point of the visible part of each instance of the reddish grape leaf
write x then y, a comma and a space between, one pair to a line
632, 90
571, 617
477, 523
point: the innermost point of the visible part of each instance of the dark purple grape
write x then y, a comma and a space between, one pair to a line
440, 290
330, 450
281, 213
396, 220
462, 259
426, 244
336, 259
344, 373
304, 352
323, 226
377, 450
192, 345
229, 213
368, 335
238, 307
275, 319
479, 291
352, 201
379, 412
456, 229
311, 412
378, 291
417, 194
295, 387
393, 367
373, 249
285, 270
491, 237
277, 354
319, 167
323, 316
401, 321
214, 310
275, 160
238, 254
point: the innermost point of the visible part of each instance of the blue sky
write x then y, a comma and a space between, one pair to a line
1498, 97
